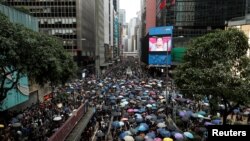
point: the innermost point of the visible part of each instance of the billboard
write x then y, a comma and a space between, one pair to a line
159, 59
160, 45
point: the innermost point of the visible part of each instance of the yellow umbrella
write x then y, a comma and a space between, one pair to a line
167, 139
1, 126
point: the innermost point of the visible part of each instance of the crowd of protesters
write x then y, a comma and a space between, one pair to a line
135, 105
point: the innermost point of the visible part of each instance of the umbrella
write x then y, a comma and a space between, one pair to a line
121, 123
116, 124
160, 110
124, 119
178, 136
165, 133
143, 127
201, 113
149, 105
136, 110
128, 138
188, 135
151, 135
182, 113
139, 120
115, 114
162, 116
167, 139
17, 124
131, 120
148, 138
216, 121
208, 123
122, 104
123, 134
58, 118
200, 116
139, 138
133, 131
161, 97
130, 110
161, 125
20, 116
100, 134
157, 139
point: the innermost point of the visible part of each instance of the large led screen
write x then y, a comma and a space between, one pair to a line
159, 59
160, 43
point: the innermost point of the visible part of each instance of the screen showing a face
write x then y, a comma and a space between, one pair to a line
160, 43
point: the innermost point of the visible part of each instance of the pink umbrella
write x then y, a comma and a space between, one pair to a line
157, 139
124, 119
152, 93
151, 101
130, 110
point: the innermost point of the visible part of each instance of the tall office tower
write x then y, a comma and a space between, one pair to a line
192, 18
71, 20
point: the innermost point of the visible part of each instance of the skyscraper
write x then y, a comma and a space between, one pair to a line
71, 20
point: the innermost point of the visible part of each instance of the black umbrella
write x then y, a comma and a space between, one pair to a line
115, 114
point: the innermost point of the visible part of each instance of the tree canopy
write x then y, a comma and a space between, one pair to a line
215, 65
28, 53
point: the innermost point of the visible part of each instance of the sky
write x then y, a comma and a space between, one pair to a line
131, 7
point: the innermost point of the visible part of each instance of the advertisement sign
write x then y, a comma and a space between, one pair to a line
159, 59
160, 43
164, 30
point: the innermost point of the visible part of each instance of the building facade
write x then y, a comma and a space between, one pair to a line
71, 20
192, 18
23, 93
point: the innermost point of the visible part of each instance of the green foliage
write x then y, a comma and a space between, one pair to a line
215, 64
40, 56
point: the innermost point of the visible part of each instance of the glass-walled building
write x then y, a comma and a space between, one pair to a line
71, 20
192, 18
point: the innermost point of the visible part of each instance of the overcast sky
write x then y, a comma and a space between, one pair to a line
131, 7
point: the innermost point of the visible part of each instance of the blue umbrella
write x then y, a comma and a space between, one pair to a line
201, 113
189, 113
123, 134
188, 135
216, 121
116, 124
112, 97
143, 127
165, 133
142, 110
151, 135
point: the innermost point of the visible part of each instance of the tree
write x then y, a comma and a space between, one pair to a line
24, 52
215, 65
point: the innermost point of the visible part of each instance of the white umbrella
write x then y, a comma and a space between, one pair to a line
58, 118
161, 125
129, 138
149, 105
